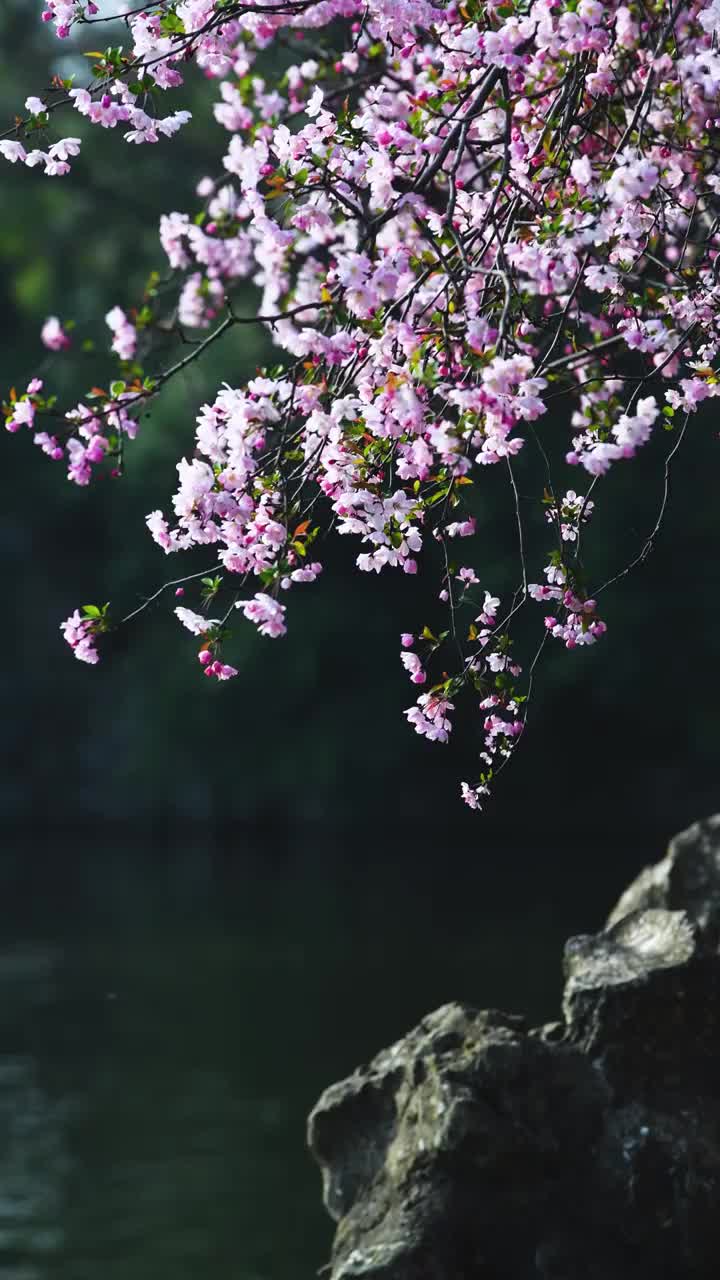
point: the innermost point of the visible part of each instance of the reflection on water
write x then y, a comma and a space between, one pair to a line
33, 1171
169, 1016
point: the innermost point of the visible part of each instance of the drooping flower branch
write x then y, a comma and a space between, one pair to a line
457, 217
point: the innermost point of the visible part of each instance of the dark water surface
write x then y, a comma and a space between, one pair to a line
170, 1012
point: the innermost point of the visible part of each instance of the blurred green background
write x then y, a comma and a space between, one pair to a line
216, 900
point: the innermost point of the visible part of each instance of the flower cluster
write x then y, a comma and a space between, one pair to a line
80, 631
65, 12
55, 161
572, 511
480, 234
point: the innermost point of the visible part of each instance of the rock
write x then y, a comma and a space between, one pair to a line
477, 1148
687, 879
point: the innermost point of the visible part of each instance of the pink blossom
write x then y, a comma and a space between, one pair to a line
23, 414
474, 796
12, 151
491, 604
124, 333
54, 336
195, 622
430, 717
267, 614
414, 667
79, 633
220, 670
64, 149
461, 528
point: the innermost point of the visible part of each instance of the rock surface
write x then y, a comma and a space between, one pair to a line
477, 1148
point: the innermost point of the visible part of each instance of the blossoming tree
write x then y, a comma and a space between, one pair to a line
456, 216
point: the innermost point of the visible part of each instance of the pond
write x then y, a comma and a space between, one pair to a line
170, 1010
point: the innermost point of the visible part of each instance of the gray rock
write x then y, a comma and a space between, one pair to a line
477, 1148
687, 879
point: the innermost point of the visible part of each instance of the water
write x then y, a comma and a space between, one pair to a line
169, 1014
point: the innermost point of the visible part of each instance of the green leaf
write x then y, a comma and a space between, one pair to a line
117, 388
171, 25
